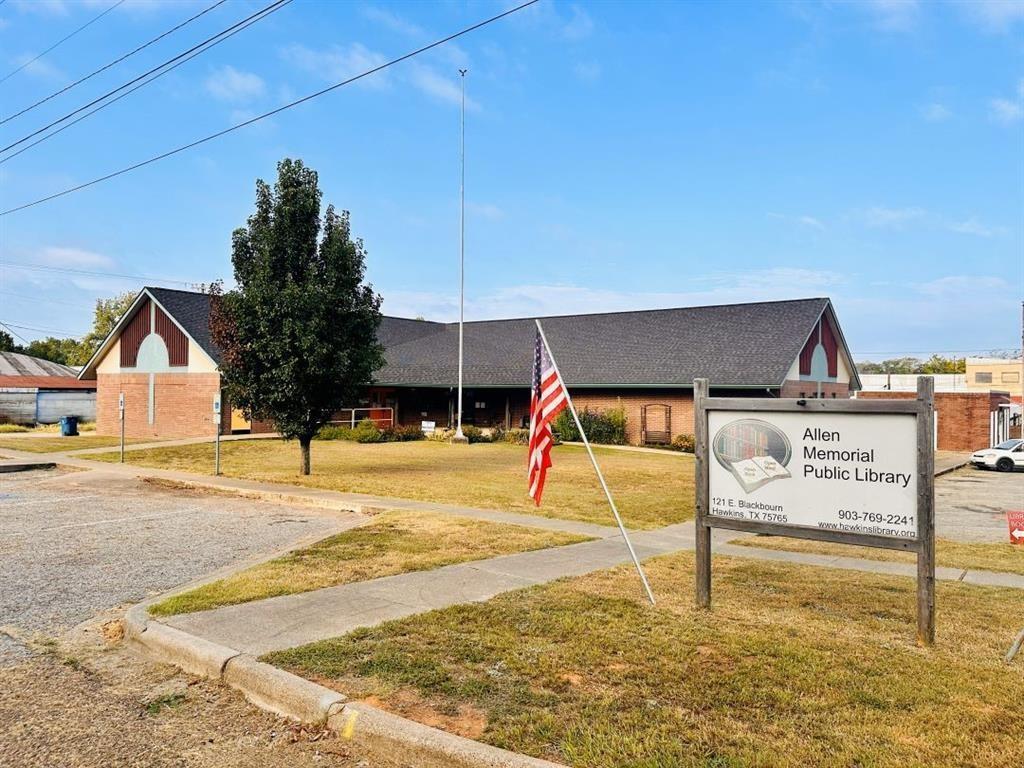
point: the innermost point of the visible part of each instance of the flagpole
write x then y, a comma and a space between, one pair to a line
459, 436
597, 469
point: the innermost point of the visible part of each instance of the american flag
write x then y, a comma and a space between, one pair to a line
547, 399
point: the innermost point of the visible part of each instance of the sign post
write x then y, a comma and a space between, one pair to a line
216, 448
855, 472
120, 415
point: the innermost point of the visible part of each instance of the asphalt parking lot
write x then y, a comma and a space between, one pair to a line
73, 544
971, 504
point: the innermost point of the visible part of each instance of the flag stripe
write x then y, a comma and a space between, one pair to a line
548, 398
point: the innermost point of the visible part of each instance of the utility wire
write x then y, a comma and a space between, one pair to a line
10, 325
248, 23
5, 325
272, 112
105, 67
69, 270
62, 40
266, 11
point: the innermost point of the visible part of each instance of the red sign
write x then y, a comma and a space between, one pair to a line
1015, 519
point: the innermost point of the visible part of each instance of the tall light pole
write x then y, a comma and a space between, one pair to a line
459, 437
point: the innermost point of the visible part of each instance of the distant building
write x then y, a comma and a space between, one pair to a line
994, 373
36, 391
907, 382
161, 357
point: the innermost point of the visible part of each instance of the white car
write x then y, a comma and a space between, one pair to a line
1005, 457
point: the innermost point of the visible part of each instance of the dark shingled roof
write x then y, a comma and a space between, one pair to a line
732, 345
192, 311
738, 345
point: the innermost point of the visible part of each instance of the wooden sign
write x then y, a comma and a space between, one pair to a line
855, 472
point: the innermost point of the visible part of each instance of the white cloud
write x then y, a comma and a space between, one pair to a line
802, 219
230, 84
935, 112
75, 258
40, 68
891, 15
440, 87
972, 226
994, 15
1006, 111
539, 300
962, 285
579, 25
485, 211
588, 71
392, 21
892, 218
339, 63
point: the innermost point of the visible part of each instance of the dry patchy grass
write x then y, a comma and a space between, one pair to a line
55, 444
650, 489
395, 542
794, 666
952, 554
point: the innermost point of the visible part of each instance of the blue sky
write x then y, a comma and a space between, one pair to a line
620, 156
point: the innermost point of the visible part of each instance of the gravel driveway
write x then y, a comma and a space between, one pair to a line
73, 544
971, 504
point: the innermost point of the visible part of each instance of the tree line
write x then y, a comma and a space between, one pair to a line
934, 364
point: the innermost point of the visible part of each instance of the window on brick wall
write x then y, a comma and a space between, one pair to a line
983, 377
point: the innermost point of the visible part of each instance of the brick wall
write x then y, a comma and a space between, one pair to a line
681, 403
183, 404
797, 389
963, 416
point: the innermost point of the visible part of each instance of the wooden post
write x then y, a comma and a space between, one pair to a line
926, 511
701, 529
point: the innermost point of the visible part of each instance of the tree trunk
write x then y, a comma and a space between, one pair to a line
304, 445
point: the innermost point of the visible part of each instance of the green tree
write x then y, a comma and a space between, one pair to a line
940, 364
105, 317
298, 334
64, 351
7, 342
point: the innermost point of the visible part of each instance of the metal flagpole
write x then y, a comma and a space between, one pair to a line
459, 437
597, 469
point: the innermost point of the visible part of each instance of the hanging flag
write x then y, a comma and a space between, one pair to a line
547, 399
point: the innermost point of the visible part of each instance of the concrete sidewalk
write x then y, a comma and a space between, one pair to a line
285, 622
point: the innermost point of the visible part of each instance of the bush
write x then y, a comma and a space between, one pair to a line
7, 428
400, 434
475, 434
367, 431
684, 443
335, 432
514, 436
606, 427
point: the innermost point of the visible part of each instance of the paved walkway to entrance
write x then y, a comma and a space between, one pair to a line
285, 622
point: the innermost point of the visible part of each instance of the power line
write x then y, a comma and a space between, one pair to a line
2, 323
272, 112
266, 11
45, 300
62, 40
10, 325
69, 270
105, 67
249, 22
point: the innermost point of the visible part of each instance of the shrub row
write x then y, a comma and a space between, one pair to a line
607, 427
366, 431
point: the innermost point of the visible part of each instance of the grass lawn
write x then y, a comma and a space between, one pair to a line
52, 444
986, 557
395, 542
794, 666
650, 489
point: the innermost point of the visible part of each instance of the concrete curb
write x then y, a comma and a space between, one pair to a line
953, 468
385, 725
283, 693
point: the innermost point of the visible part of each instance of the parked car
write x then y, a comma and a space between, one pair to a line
1006, 457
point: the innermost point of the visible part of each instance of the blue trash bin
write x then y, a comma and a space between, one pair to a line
69, 426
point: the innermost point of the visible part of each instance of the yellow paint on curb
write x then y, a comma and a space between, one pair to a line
350, 725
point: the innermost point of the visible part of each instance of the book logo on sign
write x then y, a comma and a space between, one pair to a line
754, 451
